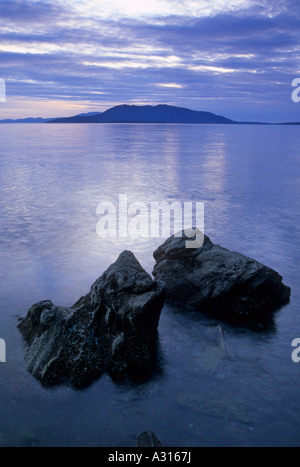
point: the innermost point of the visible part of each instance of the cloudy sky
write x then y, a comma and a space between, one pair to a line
237, 58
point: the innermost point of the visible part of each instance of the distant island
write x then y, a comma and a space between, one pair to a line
164, 114
148, 114
26, 120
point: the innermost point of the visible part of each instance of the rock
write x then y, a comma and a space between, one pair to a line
113, 329
218, 281
217, 408
148, 440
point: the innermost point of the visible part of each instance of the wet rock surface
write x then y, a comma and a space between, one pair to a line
219, 282
112, 329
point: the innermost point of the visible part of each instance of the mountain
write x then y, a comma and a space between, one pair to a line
27, 120
144, 114
89, 114
44, 120
147, 114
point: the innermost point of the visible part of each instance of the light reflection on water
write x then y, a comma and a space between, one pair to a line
51, 180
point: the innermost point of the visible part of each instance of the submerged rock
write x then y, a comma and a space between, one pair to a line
212, 352
217, 408
148, 440
112, 329
218, 281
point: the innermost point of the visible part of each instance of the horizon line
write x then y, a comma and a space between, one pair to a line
92, 113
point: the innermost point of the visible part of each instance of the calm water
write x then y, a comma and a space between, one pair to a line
51, 180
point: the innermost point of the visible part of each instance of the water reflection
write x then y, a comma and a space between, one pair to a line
51, 182
214, 166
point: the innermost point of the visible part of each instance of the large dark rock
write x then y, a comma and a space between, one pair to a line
218, 281
112, 329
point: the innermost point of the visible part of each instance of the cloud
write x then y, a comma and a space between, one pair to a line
30, 11
135, 9
193, 53
170, 85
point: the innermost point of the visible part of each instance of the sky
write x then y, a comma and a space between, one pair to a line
236, 58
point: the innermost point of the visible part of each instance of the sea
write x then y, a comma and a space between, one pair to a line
215, 385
